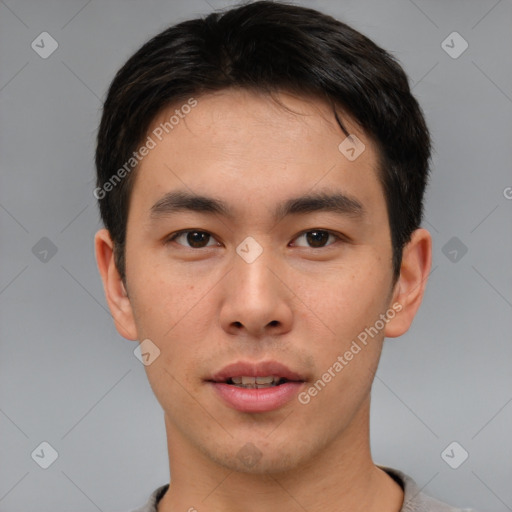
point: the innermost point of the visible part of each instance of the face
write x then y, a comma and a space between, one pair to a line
255, 247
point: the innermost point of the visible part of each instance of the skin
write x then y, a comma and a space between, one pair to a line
206, 307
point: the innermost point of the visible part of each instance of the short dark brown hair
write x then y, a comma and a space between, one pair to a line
268, 47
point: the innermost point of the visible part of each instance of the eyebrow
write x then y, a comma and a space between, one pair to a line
322, 201
179, 201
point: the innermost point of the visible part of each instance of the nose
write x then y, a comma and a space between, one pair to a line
255, 301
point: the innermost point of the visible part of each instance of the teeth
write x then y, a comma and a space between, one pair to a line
255, 382
265, 380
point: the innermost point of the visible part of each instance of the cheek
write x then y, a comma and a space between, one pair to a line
162, 297
348, 346
346, 300
177, 316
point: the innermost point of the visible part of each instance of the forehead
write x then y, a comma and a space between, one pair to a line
251, 147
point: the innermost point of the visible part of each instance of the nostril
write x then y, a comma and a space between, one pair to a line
274, 323
237, 324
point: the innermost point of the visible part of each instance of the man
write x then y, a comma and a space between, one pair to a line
260, 177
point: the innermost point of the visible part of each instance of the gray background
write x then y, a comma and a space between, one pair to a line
68, 378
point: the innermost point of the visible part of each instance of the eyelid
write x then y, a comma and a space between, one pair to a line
172, 237
340, 236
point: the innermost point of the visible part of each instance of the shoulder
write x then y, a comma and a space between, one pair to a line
154, 498
414, 499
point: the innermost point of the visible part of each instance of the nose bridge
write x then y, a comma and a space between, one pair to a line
254, 279
253, 298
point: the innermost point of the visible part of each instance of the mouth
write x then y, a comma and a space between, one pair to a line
248, 382
256, 375
256, 387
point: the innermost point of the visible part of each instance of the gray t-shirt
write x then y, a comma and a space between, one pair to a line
414, 499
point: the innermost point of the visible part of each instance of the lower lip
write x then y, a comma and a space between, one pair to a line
257, 400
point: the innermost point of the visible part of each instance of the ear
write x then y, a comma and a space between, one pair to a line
410, 286
115, 292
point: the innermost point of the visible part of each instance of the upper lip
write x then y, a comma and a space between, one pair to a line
261, 369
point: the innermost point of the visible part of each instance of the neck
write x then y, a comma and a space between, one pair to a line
341, 478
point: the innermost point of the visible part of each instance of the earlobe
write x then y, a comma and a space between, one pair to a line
115, 291
411, 284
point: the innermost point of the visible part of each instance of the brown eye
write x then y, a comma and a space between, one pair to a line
194, 239
198, 239
315, 238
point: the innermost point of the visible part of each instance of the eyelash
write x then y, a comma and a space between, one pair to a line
172, 237
339, 237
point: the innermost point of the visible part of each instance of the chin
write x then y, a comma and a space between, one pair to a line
259, 457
